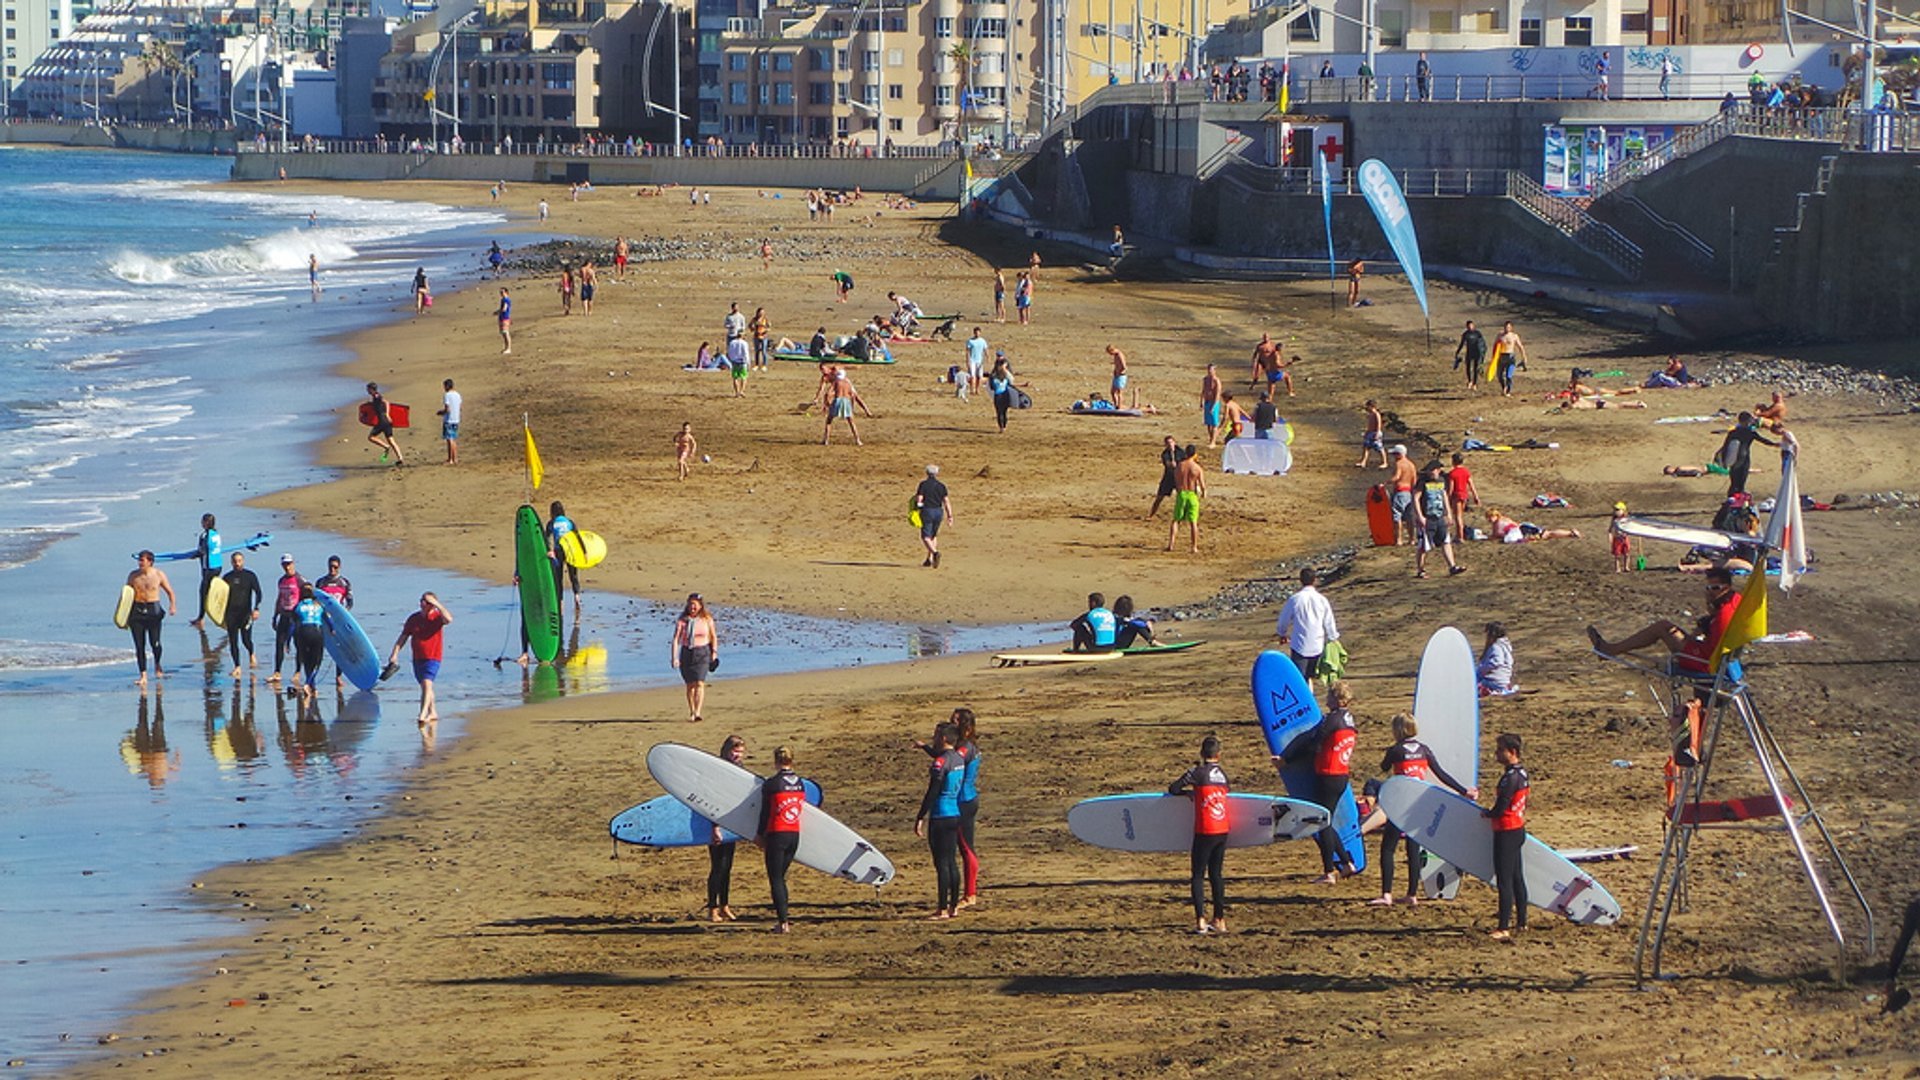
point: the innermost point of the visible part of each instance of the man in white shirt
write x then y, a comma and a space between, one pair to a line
976, 360
450, 421
735, 323
1306, 624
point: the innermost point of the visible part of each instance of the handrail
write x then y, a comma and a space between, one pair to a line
1599, 238
1698, 250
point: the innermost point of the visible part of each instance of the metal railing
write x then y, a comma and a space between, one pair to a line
601, 149
1571, 219
1818, 125
1443, 183
1511, 86
1696, 250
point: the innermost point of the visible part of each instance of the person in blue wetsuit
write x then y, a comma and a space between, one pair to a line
963, 724
1133, 629
309, 642
939, 817
208, 547
1409, 756
559, 525
1096, 627
1207, 784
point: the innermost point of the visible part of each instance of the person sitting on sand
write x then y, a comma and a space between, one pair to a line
1096, 628
1674, 376
1773, 415
1693, 649
1494, 672
1133, 628
1508, 531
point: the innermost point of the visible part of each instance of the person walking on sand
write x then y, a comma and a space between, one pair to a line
1509, 816
1330, 747
243, 607
1023, 297
696, 653
313, 276
935, 508
1210, 405
766, 254
1430, 526
739, 362
1512, 352
1169, 456
450, 420
566, 289
1119, 388
761, 329
684, 447
999, 296
1206, 784
1461, 491
1354, 271
504, 315
1408, 756
976, 360
841, 405
1000, 384
1472, 351
423, 629
1402, 482
286, 595
543, 210
622, 252
336, 585
496, 259
1269, 365
143, 619
939, 818
1189, 485
1374, 438
382, 433
733, 749
589, 278
1306, 624
422, 297
783, 801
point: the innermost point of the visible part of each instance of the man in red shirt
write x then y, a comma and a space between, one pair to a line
423, 627
1695, 650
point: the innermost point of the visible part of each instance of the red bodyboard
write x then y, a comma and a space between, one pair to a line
1380, 517
399, 414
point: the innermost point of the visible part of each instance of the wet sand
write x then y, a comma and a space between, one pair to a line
481, 929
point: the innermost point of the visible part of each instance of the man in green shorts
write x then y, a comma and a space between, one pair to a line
1189, 484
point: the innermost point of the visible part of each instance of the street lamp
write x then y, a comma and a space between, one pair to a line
434, 111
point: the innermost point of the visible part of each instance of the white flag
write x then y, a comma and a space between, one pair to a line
1786, 532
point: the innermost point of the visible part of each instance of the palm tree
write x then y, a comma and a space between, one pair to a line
961, 53
157, 54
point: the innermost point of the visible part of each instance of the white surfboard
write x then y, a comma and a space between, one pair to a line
1681, 533
1158, 822
1024, 659
729, 796
1453, 828
1446, 702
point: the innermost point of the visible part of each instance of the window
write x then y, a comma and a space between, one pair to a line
896, 92
819, 93
820, 59
894, 123
870, 60
1093, 30
840, 62
896, 57
840, 93
992, 63
736, 61
989, 95
783, 93
783, 61
1439, 22
766, 93
1307, 27
943, 95
1576, 31
943, 27
1530, 32
737, 93
1393, 29
993, 28
840, 126
870, 94
765, 61
817, 127
1634, 22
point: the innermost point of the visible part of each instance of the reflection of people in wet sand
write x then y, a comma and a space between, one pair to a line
144, 749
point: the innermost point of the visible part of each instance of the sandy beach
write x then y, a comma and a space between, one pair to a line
480, 928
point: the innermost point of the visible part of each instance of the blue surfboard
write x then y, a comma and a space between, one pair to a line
1287, 710
348, 644
668, 822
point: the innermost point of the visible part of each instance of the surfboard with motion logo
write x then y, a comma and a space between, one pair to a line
124, 609
257, 540
667, 822
1159, 822
1454, 829
582, 548
216, 598
1284, 702
1446, 702
729, 796
539, 603
347, 643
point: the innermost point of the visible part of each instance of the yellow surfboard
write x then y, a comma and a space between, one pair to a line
217, 602
124, 609
1493, 360
582, 548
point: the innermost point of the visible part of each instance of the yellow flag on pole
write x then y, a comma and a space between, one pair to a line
535, 473
1749, 622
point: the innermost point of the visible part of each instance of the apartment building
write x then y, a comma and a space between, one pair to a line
908, 73
28, 27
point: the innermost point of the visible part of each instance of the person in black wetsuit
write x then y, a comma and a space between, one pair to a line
720, 849
939, 817
1169, 457
1509, 814
1409, 756
243, 607
1330, 746
1473, 351
1736, 453
1898, 996
782, 797
1206, 783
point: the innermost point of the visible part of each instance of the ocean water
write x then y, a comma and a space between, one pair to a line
162, 356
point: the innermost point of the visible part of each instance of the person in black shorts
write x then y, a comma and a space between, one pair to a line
1169, 457
930, 498
381, 434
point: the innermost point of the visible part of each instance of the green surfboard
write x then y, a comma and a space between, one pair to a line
1154, 650
539, 604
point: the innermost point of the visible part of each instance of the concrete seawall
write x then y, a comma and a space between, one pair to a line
164, 139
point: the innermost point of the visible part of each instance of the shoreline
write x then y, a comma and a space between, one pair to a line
428, 918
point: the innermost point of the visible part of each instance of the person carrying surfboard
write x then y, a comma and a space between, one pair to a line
208, 548
783, 796
559, 525
309, 644
1330, 747
1409, 756
381, 433
1508, 352
1509, 816
143, 618
1207, 785
720, 849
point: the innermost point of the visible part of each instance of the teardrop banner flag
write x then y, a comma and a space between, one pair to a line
1396, 220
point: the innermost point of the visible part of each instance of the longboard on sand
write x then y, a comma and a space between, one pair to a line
809, 358
667, 822
1287, 711
1599, 854
1454, 829
729, 796
1159, 822
347, 643
539, 602
1446, 703
216, 600
123, 610
1025, 659
1083, 411
1157, 650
